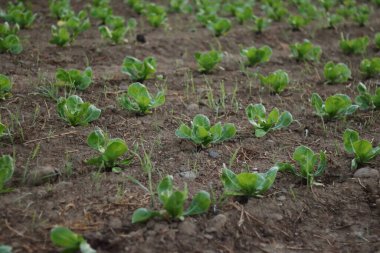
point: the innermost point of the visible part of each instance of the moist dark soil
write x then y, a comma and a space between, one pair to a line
53, 186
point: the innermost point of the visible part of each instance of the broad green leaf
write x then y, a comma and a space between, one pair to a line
268, 181
362, 150
322, 164
229, 131
273, 116
260, 132
142, 215
249, 182
349, 137
216, 132
201, 120
115, 149
183, 132
255, 112
317, 103
175, 203
230, 182
200, 204
97, 140
6, 169
337, 103
65, 238
284, 121
165, 189
306, 159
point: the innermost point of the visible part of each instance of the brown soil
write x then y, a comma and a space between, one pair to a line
340, 216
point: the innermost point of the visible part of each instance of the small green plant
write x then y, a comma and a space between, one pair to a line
138, 70
362, 149
173, 202
361, 14
5, 248
276, 81
6, 29
328, 4
264, 123
208, 60
3, 130
255, 55
5, 87
180, 6
74, 78
204, 17
138, 99
202, 133
311, 164
115, 30
6, 171
10, 43
306, 51
336, 106
260, 24
366, 100
76, 112
68, 240
276, 11
354, 46
336, 73
249, 184
243, 13
377, 40
219, 26
19, 14
155, 14
59, 8
297, 22
100, 9
111, 150
333, 20
137, 5
370, 67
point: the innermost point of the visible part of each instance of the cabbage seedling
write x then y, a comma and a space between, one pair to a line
138, 70
247, 184
180, 6
260, 24
354, 46
139, 100
336, 73
276, 81
5, 87
361, 14
59, 8
115, 30
111, 150
328, 4
366, 100
74, 78
173, 202
208, 60
155, 14
68, 240
296, 22
137, 5
19, 14
335, 107
255, 55
311, 164
10, 43
3, 129
6, 171
377, 40
220, 26
76, 112
5, 248
264, 123
101, 9
333, 20
362, 149
6, 29
275, 12
243, 13
370, 67
202, 133
306, 51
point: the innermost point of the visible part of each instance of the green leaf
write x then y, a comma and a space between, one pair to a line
229, 131
6, 169
86, 248
208, 60
276, 81
175, 203
256, 55
260, 132
201, 120
200, 204
65, 238
317, 103
349, 137
97, 140
115, 149
306, 159
268, 181
255, 113
5, 249
362, 150
143, 214
284, 121
183, 132
230, 182
165, 189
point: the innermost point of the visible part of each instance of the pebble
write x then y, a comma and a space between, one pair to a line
190, 175
187, 228
213, 154
367, 172
193, 107
216, 223
281, 198
115, 223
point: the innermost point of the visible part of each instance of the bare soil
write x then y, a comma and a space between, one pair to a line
341, 215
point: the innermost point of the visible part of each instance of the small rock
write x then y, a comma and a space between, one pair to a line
213, 154
42, 174
193, 107
281, 198
216, 223
190, 175
187, 228
367, 172
277, 216
140, 38
115, 223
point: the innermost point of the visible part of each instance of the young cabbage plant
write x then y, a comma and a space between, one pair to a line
3, 129
333, 20
366, 100
260, 24
6, 171
328, 4
306, 51
70, 242
155, 14
336, 73
59, 8
137, 5
255, 56
297, 22
361, 148
76, 112
354, 46
115, 30
264, 123
277, 11
249, 184
361, 14
101, 10
207, 61
370, 67
19, 14
377, 40
173, 202
335, 107
5, 248
111, 150
6, 29
138, 99
202, 133
138, 70
180, 6
220, 26
243, 13
10, 44
276, 81
5, 87
74, 78
311, 165
204, 17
